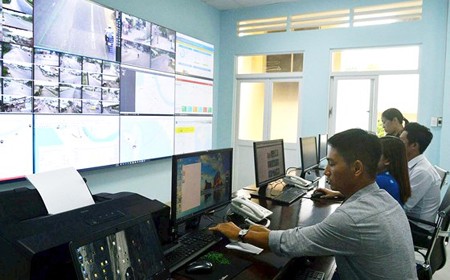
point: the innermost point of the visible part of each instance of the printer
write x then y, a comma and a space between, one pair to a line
36, 245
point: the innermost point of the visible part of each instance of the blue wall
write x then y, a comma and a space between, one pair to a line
430, 33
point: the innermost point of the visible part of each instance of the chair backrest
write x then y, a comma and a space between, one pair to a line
438, 256
442, 173
445, 201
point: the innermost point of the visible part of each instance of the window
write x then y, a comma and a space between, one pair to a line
365, 82
276, 63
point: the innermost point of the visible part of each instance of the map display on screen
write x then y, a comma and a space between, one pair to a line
145, 137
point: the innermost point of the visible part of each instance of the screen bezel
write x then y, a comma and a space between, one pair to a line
197, 214
302, 143
257, 146
322, 147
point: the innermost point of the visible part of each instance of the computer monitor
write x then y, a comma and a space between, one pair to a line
269, 162
121, 252
308, 153
322, 147
201, 182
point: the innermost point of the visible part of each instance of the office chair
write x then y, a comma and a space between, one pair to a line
434, 255
442, 173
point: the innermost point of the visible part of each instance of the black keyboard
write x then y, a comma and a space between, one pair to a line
309, 274
289, 195
189, 247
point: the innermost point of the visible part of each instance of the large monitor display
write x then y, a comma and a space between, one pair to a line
201, 182
269, 161
192, 133
136, 37
17, 23
147, 45
147, 92
76, 26
16, 67
75, 141
16, 146
145, 137
194, 57
72, 84
194, 96
87, 86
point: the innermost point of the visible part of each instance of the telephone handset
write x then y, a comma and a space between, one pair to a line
296, 180
249, 209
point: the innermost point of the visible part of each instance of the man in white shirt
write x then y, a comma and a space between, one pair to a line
425, 181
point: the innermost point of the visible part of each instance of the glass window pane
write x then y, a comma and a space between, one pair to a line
251, 111
284, 120
376, 59
353, 104
398, 91
251, 64
297, 62
278, 63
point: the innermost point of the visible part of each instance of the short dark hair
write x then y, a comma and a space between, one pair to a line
392, 113
358, 144
420, 134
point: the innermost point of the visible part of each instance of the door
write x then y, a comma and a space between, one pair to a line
267, 109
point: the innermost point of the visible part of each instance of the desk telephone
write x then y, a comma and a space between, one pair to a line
296, 180
249, 209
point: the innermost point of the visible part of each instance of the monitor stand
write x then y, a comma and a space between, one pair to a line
313, 174
192, 224
263, 192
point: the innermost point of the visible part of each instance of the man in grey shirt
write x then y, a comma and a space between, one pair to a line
368, 234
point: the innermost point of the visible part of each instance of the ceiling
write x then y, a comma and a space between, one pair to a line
237, 4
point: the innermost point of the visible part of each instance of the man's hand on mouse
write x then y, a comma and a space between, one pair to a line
327, 193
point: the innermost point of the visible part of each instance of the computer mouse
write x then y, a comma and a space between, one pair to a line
317, 194
199, 266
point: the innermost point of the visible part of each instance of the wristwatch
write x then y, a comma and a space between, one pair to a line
242, 234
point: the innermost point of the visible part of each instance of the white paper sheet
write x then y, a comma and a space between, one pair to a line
61, 190
244, 247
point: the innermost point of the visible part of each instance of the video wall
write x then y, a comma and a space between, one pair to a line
87, 86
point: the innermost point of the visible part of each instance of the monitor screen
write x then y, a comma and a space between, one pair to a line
193, 133
201, 182
269, 161
130, 253
308, 153
77, 26
147, 92
16, 145
323, 147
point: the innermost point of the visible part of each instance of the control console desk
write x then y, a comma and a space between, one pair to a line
267, 265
